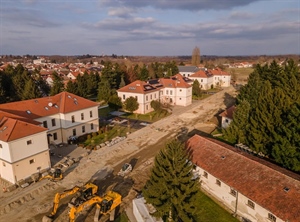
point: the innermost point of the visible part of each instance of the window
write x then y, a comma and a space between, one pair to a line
179, 98
31, 161
0, 145
53, 122
271, 217
167, 92
218, 182
83, 129
92, 126
251, 204
124, 96
136, 98
74, 132
73, 119
180, 90
3, 164
226, 120
91, 114
205, 174
45, 124
55, 136
233, 192
146, 107
155, 96
29, 142
201, 80
82, 116
171, 92
151, 97
146, 98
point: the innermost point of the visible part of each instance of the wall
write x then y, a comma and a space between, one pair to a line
238, 203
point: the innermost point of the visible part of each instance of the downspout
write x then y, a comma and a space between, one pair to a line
236, 203
62, 138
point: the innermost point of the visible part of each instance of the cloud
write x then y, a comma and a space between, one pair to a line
123, 12
191, 5
117, 24
241, 15
29, 17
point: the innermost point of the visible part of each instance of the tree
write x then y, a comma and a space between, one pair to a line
104, 91
72, 87
58, 85
196, 56
31, 91
171, 188
196, 89
115, 102
268, 114
131, 104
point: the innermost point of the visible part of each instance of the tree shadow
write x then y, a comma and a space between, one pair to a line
229, 100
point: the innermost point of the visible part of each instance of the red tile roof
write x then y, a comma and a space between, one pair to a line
200, 74
138, 86
63, 102
255, 178
228, 112
12, 129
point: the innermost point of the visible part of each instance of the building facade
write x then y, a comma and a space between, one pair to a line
175, 90
249, 186
28, 127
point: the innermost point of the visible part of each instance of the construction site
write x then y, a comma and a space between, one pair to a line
97, 185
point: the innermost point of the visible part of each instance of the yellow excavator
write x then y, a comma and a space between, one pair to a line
83, 194
56, 175
105, 205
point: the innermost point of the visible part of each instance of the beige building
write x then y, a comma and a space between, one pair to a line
249, 186
28, 127
175, 90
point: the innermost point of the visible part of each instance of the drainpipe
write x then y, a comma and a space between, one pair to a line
236, 203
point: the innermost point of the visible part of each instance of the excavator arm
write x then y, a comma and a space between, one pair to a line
104, 204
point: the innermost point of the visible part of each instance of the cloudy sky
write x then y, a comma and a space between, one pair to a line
149, 27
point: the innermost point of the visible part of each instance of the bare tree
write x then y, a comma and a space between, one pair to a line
196, 56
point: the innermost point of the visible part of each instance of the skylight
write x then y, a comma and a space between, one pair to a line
69, 96
56, 106
286, 189
28, 111
75, 102
46, 108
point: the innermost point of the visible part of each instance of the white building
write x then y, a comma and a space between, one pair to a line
249, 186
28, 127
211, 78
227, 116
175, 90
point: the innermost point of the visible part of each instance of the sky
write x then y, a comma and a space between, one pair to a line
149, 27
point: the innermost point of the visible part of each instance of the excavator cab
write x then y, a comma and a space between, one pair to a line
105, 206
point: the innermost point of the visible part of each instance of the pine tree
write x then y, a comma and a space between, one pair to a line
31, 91
171, 188
104, 91
72, 87
58, 85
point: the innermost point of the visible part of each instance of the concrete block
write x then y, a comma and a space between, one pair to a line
11, 188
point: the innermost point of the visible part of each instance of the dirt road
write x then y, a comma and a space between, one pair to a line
101, 166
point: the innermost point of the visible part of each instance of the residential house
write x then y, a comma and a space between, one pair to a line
186, 71
211, 78
175, 90
227, 116
251, 187
29, 126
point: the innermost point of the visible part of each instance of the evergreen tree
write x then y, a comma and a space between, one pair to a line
104, 91
131, 104
267, 115
144, 74
115, 102
171, 188
31, 91
122, 83
72, 87
196, 89
58, 85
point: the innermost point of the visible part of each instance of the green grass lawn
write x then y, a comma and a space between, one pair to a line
210, 211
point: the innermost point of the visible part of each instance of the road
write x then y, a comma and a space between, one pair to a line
101, 166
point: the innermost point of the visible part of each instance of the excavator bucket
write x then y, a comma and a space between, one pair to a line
47, 219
